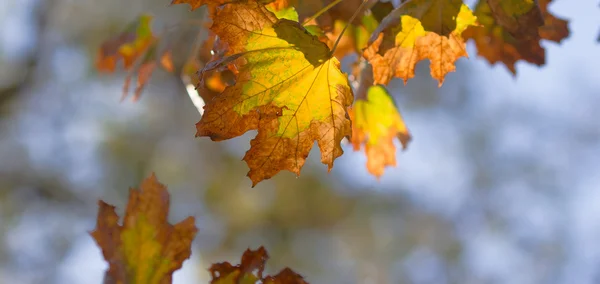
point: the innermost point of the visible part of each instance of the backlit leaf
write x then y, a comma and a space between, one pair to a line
250, 271
146, 248
375, 123
496, 44
418, 30
288, 87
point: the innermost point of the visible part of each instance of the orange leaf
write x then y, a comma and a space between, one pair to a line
146, 248
195, 4
418, 30
250, 271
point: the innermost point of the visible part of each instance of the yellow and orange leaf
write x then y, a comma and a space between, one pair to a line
288, 87
418, 30
145, 248
250, 271
375, 123
128, 46
496, 44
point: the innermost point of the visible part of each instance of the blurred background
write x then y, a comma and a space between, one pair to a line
501, 183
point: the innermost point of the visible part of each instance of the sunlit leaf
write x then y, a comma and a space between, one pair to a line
418, 30
145, 248
289, 88
375, 123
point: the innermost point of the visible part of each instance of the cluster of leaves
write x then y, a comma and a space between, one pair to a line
274, 67
147, 249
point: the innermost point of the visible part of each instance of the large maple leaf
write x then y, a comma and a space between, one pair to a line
496, 43
418, 30
288, 86
376, 122
146, 248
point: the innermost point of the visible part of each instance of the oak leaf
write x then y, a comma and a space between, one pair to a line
250, 271
496, 44
145, 248
418, 30
375, 123
288, 87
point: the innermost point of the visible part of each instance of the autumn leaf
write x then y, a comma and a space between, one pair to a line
250, 271
195, 4
146, 248
418, 30
137, 47
354, 39
289, 88
496, 44
127, 46
520, 18
554, 29
144, 70
375, 123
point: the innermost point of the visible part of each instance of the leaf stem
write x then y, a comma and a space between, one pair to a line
320, 12
365, 80
337, 41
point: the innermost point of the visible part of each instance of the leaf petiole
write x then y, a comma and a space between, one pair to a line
320, 12
337, 41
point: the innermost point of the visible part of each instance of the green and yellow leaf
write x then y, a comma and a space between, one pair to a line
375, 123
418, 30
288, 87
146, 248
